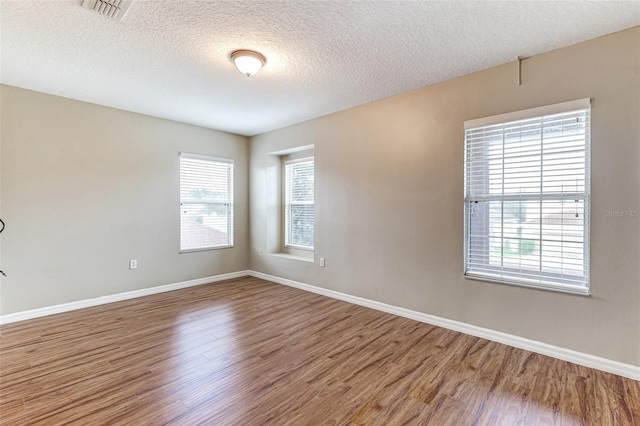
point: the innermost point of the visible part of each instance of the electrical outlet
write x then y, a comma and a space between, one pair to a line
133, 264
260, 252
322, 262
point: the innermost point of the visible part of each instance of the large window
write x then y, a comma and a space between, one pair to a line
206, 202
298, 203
527, 197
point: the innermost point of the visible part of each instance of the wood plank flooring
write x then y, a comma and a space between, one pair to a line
250, 352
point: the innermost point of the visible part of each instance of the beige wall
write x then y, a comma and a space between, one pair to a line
389, 192
85, 188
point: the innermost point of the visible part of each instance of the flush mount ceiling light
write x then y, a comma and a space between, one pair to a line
248, 62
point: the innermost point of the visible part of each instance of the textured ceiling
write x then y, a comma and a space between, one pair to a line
170, 58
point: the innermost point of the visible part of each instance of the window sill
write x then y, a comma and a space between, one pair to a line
204, 249
575, 290
293, 257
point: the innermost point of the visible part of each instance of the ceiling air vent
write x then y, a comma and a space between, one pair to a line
115, 9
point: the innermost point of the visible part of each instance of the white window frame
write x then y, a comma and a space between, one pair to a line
478, 266
288, 204
226, 203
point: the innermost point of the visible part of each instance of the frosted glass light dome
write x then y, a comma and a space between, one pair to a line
248, 62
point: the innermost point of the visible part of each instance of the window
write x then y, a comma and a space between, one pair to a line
206, 202
527, 197
298, 203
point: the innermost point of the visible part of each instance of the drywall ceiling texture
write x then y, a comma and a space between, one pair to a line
170, 58
389, 199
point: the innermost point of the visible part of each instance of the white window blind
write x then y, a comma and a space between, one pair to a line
527, 184
206, 202
299, 208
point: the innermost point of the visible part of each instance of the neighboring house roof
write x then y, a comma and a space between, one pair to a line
559, 218
199, 235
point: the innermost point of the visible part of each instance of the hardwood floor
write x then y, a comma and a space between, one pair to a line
249, 352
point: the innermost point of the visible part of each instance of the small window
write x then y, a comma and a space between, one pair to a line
299, 213
527, 197
206, 202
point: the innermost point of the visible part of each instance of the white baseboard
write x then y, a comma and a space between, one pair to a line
615, 367
626, 370
72, 306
